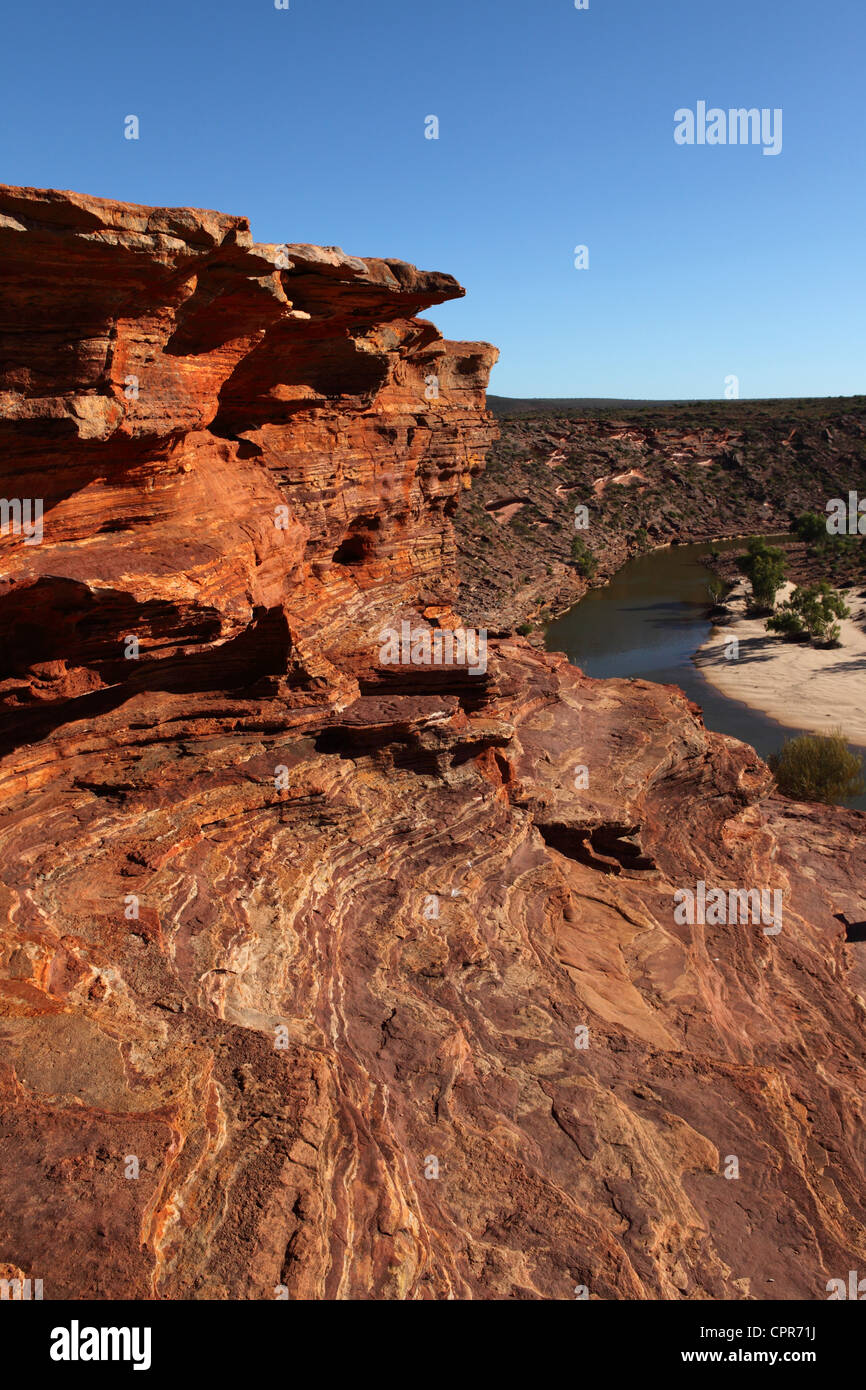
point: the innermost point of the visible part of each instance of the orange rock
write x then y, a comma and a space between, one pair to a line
296, 948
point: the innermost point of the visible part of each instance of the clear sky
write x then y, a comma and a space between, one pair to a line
556, 130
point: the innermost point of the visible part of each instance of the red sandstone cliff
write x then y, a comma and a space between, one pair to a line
285, 995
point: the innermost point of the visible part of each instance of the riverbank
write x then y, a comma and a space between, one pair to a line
651, 620
806, 688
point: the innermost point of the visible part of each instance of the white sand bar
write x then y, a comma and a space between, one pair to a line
804, 687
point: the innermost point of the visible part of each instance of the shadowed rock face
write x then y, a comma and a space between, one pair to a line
286, 931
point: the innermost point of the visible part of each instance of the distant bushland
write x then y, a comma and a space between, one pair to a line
697, 412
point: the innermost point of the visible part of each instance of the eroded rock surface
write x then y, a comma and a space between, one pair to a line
286, 931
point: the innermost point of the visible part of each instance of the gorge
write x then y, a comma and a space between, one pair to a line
282, 921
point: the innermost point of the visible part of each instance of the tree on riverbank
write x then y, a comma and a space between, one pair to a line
810, 612
811, 529
814, 767
764, 567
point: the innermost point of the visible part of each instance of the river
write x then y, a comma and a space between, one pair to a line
649, 621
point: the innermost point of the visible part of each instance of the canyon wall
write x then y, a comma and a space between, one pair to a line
334, 978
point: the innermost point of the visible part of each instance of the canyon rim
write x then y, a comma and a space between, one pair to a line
327, 976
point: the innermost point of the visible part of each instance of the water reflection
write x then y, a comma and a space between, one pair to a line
649, 622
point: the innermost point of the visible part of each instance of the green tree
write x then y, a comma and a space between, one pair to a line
811, 609
811, 528
764, 567
815, 767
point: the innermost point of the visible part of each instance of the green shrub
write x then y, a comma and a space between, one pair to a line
524, 629
582, 558
814, 767
811, 609
787, 622
811, 528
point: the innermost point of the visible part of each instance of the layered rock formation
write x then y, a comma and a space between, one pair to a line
338, 979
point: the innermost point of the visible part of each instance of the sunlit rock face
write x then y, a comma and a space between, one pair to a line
328, 977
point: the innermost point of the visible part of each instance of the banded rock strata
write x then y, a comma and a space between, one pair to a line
421, 908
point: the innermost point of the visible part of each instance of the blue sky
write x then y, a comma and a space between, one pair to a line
556, 129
